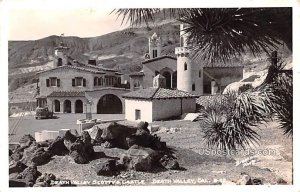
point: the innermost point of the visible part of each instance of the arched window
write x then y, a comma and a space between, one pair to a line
185, 66
59, 62
200, 73
96, 81
101, 81
193, 87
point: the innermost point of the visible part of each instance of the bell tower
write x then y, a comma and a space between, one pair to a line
60, 55
154, 46
189, 74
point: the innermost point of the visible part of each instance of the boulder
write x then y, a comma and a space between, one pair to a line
169, 163
281, 181
78, 153
57, 147
45, 180
19, 183
107, 168
139, 158
108, 144
40, 157
257, 181
116, 134
88, 147
95, 134
143, 126
35, 155
26, 140
16, 156
244, 180
145, 139
69, 138
30, 174
17, 167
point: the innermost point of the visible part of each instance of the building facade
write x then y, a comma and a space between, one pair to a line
73, 87
182, 72
157, 102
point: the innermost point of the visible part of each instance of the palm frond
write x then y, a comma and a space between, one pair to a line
219, 35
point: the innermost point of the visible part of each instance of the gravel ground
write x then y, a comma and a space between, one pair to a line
188, 146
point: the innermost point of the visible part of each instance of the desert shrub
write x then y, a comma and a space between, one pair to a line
228, 123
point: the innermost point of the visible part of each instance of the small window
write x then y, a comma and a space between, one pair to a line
79, 81
59, 62
53, 82
200, 73
193, 87
185, 66
137, 114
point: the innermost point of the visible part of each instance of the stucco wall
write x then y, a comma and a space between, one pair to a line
65, 76
144, 106
158, 65
189, 105
166, 108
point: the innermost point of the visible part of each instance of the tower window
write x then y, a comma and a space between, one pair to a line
154, 53
185, 66
200, 73
59, 62
193, 87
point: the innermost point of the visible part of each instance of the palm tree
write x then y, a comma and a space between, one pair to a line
225, 34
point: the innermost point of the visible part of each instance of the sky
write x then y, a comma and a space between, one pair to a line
32, 24
36, 19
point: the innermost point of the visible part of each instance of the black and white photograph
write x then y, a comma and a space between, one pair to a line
163, 96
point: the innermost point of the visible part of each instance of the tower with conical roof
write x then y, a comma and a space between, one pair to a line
154, 46
189, 74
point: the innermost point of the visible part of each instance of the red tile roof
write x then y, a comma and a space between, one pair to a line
158, 58
76, 68
67, 94
158, 93
136, 74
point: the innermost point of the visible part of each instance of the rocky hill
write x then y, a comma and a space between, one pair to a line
123, 50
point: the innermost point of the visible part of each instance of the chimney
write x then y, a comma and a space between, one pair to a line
159, 81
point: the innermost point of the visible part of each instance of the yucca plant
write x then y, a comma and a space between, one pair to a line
221, 34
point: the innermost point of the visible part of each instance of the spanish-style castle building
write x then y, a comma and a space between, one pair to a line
74, 87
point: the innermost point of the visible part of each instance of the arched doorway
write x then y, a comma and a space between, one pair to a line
67, 106
56, 106
167, 75
109, 104
78, 106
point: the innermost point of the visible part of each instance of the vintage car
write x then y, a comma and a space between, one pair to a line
43, 113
